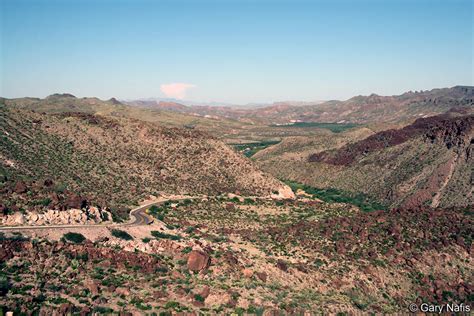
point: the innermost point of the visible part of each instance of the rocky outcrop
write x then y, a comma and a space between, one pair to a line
92, 215
455, 132
198, 260
75, 201
116, 258
14, 219
283, 193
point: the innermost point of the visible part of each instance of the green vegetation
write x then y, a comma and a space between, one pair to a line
75, 238
158, 212
250, 149
121, 234
333, 127
15, 236
43, 202
4, 285
198, 298
158, 235
332, 195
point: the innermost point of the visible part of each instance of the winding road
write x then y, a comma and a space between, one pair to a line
138, 217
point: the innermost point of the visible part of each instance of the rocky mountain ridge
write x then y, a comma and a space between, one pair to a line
454, 132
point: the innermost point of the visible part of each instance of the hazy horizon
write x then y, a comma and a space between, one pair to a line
234, 52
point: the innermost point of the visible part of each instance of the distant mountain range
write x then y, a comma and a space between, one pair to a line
402, 108
359, 109
190, 103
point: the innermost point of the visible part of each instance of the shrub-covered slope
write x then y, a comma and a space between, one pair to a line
427, 163
118, 161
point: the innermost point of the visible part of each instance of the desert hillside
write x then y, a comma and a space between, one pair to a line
65, 102
426, 163
115, 161
245, 257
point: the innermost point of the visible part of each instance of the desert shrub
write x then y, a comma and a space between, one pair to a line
7, 211
172, 304
249, 201
103, 310
75, 238
158, 234
104, 216
121, 234
4, 285
58, 300
187, 201
60, 188
154, 208
42, 202
187, 250
253, 310
16, 236
157, 212
120, 214
190, 229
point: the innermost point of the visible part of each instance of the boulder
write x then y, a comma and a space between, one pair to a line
75, 201
33, 217
177, 275
218, 299
85, 311
48, 183
247, 273
284, 193
92, 286
15, 219
204, 291
122, 291
282, 265
262, 276
198, 260
20, 187
65, 308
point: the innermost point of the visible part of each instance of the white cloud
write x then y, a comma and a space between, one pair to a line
176, 90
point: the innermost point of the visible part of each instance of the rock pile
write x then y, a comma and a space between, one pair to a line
91, 215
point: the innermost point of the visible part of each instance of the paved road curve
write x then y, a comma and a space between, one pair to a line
138, 217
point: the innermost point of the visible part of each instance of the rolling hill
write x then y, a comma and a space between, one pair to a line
118, 161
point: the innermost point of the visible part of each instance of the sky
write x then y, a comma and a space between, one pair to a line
230, 51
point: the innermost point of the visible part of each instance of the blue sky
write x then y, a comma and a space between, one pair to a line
234, 51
